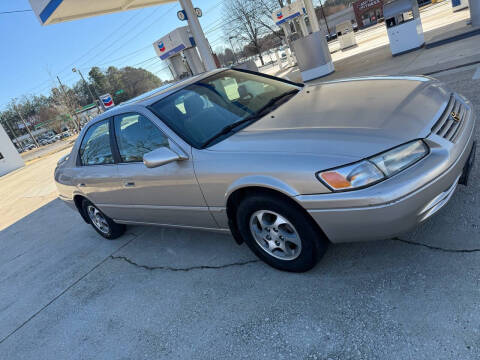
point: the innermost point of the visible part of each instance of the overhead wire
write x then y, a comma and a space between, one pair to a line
139, 32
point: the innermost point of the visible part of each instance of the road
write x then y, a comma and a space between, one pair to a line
175, 294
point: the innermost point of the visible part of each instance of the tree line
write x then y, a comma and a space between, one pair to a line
53, 111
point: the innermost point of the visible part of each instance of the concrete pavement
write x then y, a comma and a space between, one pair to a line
156, 293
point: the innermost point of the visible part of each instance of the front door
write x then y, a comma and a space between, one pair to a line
168, 194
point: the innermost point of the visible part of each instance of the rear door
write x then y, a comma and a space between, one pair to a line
96, 174
168, 194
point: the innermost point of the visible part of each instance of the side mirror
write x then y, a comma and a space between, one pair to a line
160, 156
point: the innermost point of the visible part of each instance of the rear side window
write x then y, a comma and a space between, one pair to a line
95, 148
136, 135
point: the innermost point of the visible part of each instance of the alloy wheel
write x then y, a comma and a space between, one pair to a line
275, 235
98, 219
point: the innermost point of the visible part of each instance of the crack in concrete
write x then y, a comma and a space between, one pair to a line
438, 248
186, 269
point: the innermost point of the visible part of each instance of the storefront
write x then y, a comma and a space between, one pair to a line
368, 12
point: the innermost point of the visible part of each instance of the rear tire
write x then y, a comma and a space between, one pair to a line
280, 234
102, 224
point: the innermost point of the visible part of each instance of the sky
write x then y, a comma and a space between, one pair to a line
32, 55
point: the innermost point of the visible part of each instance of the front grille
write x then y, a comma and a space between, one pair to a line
452, 120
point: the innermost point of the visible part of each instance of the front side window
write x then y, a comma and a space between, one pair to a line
95, 148
201, 110
136, 135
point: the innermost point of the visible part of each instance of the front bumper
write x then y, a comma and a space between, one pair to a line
397, 204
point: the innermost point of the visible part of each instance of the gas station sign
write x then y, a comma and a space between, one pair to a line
289, 12
107, 101
174, 42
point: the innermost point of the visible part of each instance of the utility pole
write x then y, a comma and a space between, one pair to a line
14, 135
88, 87
325, 18
233, 50
77, 122
25, 124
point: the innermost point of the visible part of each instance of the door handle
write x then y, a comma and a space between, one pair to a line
81, 185
129, 184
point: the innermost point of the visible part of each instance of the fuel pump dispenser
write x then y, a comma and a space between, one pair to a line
179, 50
404, 26
311, 49
458, 5
345, 35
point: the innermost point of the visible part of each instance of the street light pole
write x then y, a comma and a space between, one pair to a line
88, 87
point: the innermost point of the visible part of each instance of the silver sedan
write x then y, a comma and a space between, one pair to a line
286, 168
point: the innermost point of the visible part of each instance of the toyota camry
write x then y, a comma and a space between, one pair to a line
285, 167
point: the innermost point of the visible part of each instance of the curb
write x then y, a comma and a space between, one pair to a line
464, 35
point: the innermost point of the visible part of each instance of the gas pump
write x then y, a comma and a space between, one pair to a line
345, 35
311, 49
458, 5
404, 26
178, 49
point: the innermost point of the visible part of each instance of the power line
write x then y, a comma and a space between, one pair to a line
102, 42
68, 67
125, 56
14, 11
139, 32
103, 50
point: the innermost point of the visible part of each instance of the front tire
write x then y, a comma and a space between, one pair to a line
280, 233
102, 224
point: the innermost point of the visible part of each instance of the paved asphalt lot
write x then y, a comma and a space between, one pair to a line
66, 293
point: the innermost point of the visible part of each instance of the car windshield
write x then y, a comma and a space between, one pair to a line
208, 111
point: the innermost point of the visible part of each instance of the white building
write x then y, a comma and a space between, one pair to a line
10, 159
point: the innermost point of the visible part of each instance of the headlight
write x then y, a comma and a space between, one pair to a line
395, 160
374, 169
352, 176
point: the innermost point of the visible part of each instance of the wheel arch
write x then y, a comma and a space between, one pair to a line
78, 200
236, 196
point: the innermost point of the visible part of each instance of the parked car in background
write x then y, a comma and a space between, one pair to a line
281, 165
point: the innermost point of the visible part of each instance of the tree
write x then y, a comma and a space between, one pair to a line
137, 81
99, 80
54, 117
245, 23
226, 57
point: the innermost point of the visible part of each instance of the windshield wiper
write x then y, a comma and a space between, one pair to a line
274, 102
229, 128
260, 113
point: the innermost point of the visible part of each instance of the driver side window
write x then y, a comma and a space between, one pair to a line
136, 135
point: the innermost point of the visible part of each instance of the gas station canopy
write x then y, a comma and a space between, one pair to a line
56, 11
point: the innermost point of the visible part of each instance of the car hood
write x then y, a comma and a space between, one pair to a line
353, 118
